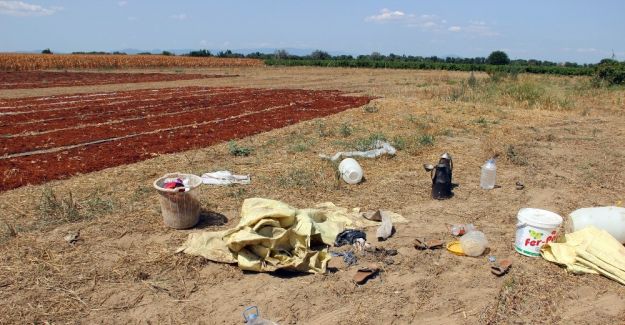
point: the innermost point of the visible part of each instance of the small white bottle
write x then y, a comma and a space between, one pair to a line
489, 174
350, 170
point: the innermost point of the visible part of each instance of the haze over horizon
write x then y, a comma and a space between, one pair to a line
556, 30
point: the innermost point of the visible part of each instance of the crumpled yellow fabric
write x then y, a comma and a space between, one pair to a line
589, 250
273, 235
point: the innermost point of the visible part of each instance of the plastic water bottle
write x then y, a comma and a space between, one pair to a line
459, 230
489, 173
252, 317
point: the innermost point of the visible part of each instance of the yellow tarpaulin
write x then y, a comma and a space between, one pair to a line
589, 250
272, 235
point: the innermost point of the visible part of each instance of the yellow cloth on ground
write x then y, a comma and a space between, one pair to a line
589, 250
272, 235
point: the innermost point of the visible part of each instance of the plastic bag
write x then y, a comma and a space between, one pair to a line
473, 243
386, 228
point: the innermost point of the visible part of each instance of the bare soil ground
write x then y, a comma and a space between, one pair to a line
562, 138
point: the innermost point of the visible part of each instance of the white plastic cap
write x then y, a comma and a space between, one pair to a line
490, 163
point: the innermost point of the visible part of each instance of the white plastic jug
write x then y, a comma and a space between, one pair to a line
610, 219
489, 174
350, 171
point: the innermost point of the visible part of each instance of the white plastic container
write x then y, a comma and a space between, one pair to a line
489, 174
350, 170
610, 219
535, 227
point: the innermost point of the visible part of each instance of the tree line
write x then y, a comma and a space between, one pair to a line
495, 58
607, 71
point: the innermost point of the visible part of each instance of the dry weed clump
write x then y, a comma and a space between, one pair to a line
529, 92
7, 231
54, 208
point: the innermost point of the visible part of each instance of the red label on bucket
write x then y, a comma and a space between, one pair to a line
535, 238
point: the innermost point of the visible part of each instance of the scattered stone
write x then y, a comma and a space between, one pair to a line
73, 237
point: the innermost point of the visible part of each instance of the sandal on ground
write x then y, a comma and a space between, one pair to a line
501, 267
373, 215
423, 244
366, 273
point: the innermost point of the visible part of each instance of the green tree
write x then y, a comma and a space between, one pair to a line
46, 51
320, 55
376, 56
498, 58
610, 72
281, 54
201, 53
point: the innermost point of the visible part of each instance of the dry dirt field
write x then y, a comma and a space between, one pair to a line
562, 138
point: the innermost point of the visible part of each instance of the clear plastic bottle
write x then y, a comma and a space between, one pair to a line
489, 174
459, 230
252, 317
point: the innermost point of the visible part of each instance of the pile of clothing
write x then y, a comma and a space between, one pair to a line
273, 235
589, 250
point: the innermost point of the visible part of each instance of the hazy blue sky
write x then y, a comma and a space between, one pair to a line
557, 30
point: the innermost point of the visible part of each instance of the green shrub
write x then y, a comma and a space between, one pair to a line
426, 140
235, 150
322, 129
201, 53
346, 130
399, 143
370, 109
610, 72
368, 143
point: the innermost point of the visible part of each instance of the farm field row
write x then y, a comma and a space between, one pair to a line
55, 137
47, 79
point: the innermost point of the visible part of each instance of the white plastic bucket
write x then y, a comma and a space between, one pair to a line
535, 227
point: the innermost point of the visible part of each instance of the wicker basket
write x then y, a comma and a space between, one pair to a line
181, 210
